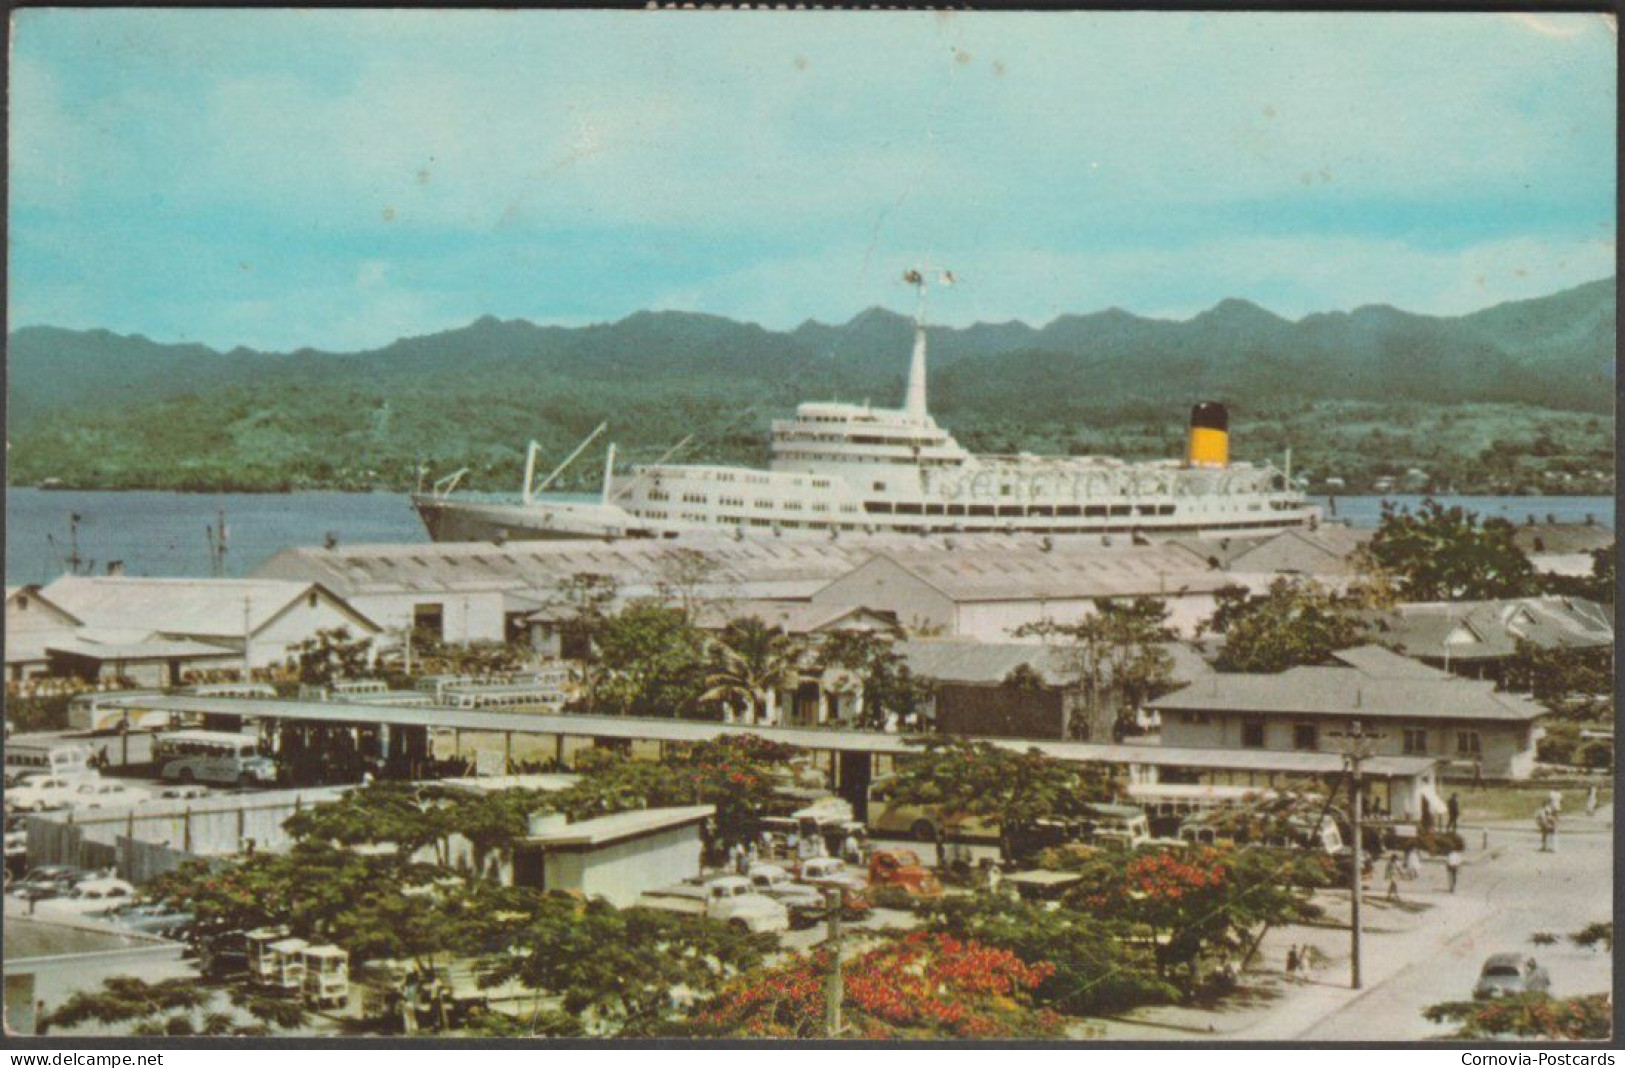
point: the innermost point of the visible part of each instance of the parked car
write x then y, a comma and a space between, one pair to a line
822, 872
57, 878
730, 899
161, 920
806, 904
42, 793
1507, 974
108, 793
93, 897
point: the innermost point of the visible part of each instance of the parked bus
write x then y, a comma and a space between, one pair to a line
212, 756
109, 711
1168, 806
50, 756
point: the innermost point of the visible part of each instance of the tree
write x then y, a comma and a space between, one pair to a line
1181, 904
921, 986
1577, 1019
965, 779
1447, 554
751, 662
1097, 966
653, 659
1595, 934
1597, 586
1298, 621
581, 606
1576, 684
1115, 655
330, 655
163, 1008
684, 576
620, 967
867, 665
734, 774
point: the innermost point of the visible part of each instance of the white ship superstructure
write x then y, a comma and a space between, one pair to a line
854, 468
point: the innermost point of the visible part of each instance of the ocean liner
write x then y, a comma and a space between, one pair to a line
856, 469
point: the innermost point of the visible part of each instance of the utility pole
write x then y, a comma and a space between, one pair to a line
1357, 746
833, 990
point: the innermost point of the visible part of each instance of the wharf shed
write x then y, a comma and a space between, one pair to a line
154, 629
34, 622
478, 591
988, 595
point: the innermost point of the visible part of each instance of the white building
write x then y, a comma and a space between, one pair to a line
615, 857
155, 629
33, 622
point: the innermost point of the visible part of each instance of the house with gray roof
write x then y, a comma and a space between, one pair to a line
1478, 638
1417, 710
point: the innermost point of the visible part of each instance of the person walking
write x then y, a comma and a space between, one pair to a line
1552, 819
1452, 865
1413, 863
1554, 801
1453, 810
1591, 802
1292, 963
1478, 774
1543, 823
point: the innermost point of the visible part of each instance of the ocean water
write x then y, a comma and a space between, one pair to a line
157, 533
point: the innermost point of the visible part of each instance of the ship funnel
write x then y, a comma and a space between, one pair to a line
1209, 444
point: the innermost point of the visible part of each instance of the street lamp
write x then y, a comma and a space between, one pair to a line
1357, 746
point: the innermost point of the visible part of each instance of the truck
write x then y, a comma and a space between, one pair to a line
729, 899
806, 904
902, 868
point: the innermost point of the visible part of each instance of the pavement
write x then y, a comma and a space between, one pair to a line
1425, 949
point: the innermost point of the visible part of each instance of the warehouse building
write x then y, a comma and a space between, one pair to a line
155, 630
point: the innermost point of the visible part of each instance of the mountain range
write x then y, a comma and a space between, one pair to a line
495, 382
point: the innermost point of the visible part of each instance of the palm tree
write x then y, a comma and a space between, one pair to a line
751, 662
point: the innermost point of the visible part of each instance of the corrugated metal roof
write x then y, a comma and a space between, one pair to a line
1488, 630
990, 663
192, 606
622, 825
1343, 691
1562, 538
1037, 574
1378, 662
814, 738
756, 567
150, 649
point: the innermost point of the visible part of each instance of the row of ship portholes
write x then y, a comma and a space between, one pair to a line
985, 486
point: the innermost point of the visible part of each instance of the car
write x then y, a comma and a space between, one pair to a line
59, 875
806, 904
108, 793
1509, 974
155, 919
41, 793
93, 897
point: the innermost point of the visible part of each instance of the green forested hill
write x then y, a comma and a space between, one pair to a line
95, 408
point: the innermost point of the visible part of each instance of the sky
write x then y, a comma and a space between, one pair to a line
339, 179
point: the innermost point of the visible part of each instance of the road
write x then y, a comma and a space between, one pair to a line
1528, 892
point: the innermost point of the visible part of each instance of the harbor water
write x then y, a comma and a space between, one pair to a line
157, 533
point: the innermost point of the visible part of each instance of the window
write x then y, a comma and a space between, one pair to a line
430, 619
1468, 744
1305, 736
1252, 734
1416, 741
879, 486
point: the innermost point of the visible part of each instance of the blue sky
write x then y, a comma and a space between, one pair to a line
342, 178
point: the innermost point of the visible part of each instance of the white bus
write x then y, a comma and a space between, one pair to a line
1167, 806
212, 756
107, 711
47, 757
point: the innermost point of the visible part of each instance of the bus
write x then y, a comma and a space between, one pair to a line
212, 756
49, 756
107, 711
1168, 806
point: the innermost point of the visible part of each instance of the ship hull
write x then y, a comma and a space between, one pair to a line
453, 519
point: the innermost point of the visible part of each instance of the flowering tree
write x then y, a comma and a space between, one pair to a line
1183, 903
1528, 1016
922, 986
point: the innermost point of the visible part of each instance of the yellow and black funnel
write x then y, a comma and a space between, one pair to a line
1210, 436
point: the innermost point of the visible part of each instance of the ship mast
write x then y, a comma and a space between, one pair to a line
914, 398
